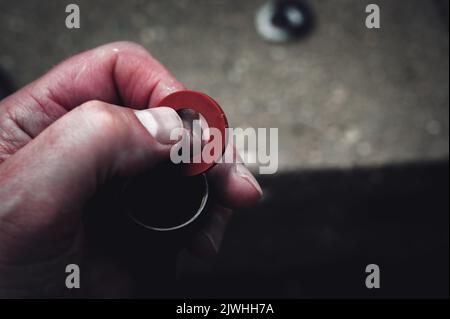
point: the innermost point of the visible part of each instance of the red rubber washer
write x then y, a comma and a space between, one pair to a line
210, 110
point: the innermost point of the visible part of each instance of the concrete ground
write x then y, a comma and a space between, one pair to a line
352, 105
345, 96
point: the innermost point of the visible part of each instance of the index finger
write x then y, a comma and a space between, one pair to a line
118, 73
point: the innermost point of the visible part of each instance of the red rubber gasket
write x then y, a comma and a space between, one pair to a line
210, 110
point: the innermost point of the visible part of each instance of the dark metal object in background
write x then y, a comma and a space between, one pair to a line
284, 20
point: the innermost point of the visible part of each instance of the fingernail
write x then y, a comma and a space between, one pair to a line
163, 123
244, 173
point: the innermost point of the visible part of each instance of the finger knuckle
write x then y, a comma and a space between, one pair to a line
102, 116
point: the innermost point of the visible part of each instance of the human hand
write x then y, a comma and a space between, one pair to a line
64, 136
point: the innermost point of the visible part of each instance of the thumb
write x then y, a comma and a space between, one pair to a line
45, 184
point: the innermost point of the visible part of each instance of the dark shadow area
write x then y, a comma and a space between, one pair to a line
443, 7
6, 85
315, 232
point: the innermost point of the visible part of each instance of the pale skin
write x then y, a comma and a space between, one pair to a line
67, 134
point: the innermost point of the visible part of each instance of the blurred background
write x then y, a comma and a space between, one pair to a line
363, 118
